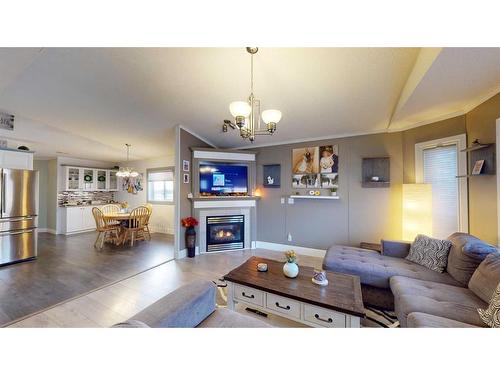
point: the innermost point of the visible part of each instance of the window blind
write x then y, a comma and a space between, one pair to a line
161, 186
440, 168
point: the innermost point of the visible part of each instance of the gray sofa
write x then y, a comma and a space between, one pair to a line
192, 305
419, 296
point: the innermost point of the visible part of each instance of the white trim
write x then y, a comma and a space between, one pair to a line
461, 142
197, 136
320, 253
201, 154
433, 120
498, 179
224, 203
46, 230
314, 196
177, 186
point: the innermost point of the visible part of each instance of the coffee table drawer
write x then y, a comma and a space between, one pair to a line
250, 295
324, 317
283, 305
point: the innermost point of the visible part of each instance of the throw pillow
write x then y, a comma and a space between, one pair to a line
429, 252
491, 316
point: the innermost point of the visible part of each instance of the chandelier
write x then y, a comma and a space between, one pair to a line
127, 171
247, 114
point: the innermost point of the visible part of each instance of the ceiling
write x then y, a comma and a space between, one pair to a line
89, 102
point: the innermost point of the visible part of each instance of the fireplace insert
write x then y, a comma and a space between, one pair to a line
225, 232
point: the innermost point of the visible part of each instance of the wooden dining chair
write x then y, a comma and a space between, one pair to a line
136, 224
111, 209
104, 227
149, 206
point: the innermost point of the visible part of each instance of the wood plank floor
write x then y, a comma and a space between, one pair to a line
69, 266
115, 303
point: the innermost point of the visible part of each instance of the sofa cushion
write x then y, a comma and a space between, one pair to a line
225, 318
422, 320
486, 277
447, 301
429, 252
466, 253
491, 316
375, 269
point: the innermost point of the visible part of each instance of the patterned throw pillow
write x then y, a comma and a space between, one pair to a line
429, 252
491, 316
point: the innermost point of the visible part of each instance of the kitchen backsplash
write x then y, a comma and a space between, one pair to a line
84, 196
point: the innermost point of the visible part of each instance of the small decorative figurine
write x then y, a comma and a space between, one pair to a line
262, 267
319, 277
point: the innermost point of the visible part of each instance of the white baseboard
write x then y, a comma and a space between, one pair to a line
46, 230
320, 253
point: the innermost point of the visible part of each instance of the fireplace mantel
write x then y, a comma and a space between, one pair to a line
216, 202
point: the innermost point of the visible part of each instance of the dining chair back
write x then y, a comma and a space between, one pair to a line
136, 223
110, 208
104, 226
146, 226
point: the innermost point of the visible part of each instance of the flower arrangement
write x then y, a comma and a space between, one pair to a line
124, 204
189, 222
290, 256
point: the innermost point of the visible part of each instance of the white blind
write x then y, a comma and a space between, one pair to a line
161, 186
440, 169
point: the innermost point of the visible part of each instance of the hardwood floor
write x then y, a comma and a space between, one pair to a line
69, 266
120, 301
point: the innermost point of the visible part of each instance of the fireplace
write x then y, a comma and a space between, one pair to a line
225, 232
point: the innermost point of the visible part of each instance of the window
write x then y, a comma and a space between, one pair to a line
438, 163
161, 185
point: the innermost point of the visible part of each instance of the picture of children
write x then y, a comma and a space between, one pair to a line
329, 162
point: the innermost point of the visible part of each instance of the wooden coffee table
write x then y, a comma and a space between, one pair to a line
339, 304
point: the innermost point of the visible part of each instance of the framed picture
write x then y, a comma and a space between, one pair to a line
186, 178
478, 167
305, 160
272, 176
329, 159
329, 180
185, 165
312, 180
299, 181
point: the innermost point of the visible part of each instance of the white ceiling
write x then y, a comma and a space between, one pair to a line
88, 102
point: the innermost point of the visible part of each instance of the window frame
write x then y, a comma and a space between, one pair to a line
161, 169
460, 141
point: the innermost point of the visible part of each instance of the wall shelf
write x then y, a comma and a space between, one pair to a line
376, 167
314, 197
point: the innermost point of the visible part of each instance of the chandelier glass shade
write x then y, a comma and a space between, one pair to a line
247, 114
127, 171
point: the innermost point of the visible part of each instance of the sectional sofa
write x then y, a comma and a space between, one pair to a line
419, 296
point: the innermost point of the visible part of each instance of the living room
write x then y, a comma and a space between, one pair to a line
164, 175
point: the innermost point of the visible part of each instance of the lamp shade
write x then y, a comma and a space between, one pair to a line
240, 109
417, 210
271, 115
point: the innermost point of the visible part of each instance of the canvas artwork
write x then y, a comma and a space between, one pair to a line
305, 160
312, 180
329, 159
272, 175
329, 180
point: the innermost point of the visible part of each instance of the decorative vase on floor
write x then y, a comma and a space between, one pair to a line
190, 241
291, 270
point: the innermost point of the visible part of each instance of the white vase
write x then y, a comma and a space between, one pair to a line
291, 270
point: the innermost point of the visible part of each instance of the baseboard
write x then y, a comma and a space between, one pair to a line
298, 249
46, 230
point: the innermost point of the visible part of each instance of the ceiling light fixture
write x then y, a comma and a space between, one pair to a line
247, 114
127, 171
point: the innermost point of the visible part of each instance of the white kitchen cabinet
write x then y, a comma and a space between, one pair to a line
101, 180
16, 159
78, 219
89, 177
112, 179
73, 178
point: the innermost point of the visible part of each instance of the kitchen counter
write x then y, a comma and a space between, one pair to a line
85, 205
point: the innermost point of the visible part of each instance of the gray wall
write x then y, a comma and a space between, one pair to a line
42, 166
52, 195
186, 141
361, 214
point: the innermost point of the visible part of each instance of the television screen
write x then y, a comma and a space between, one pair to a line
223, 179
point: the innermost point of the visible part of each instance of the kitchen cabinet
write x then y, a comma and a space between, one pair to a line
101, 179
89, 176
73, 178
112, 180
78, 219
16, 159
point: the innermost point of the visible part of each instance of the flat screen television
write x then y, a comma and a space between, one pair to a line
223, 179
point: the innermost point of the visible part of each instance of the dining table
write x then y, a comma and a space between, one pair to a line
119, 217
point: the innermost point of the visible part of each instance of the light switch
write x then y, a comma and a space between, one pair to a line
290, 200
282, 200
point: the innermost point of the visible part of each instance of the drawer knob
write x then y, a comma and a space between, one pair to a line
282, 307
329, 320
247, 296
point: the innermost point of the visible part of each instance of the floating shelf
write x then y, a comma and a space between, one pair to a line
375, 184
314, 197
376, 167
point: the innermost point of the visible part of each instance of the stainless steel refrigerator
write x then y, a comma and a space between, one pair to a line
18, 215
